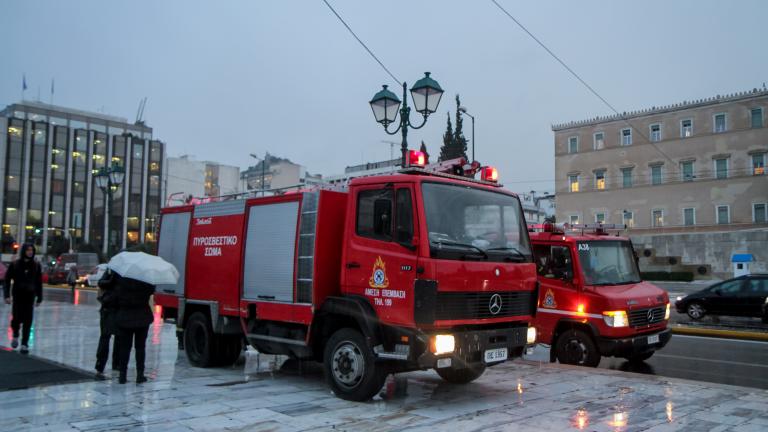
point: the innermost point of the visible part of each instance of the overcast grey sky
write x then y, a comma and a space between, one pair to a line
229, 78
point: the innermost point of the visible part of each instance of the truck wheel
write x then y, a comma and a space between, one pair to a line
228, 349
575, 347
461, 376
350, 366
640, 357
695, 311
199, 340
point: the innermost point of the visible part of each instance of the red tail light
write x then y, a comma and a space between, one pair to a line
489, 174
417, 158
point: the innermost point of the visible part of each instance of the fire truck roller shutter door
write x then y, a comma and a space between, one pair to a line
174, 234
270, 249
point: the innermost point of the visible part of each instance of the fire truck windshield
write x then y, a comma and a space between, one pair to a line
607, 262
466, 222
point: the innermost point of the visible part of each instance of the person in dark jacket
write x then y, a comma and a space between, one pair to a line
133, 317
108, 299
23, 283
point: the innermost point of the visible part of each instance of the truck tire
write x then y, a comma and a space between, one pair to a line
350, 367
199, 341
640, 357
576, 347
461, 376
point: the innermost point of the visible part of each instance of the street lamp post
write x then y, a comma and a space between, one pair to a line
426, 94
464, 110
108, 180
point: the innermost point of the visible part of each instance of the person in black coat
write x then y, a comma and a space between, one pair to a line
132, 318
23, 283
108, 299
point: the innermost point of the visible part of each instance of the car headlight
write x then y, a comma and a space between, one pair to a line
679, 298
443, 344
666, 314
616, 318
531, 339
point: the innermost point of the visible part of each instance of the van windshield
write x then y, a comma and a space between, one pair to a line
607, 262
471, 223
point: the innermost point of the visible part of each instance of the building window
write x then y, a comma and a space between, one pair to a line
574, 219
689, 216
721, 168
600, 179
758, 164
573, 144
573, 182
600, 217
657, 217
686, 171
626, 137
656, 175
599, 141
655, 132
628, 218
759, 213
626, 177
686, 128
720, 125
723, 214
756, 116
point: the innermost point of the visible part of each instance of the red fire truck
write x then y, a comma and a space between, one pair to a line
592, 302
417, 269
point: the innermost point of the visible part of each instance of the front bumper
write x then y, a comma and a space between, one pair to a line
471, 345
632, 346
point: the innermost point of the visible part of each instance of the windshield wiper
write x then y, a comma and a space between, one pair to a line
466, 245
511, 249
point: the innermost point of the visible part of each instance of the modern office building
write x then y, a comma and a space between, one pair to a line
49, 156
691, 167
189, 178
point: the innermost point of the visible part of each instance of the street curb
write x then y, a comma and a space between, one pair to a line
726, 334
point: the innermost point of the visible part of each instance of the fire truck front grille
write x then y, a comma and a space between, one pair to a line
645, 317
473, 305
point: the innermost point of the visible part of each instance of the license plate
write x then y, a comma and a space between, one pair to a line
652, 339
495, 355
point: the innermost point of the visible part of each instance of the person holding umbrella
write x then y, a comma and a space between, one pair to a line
26, 275
108, 299
134, 277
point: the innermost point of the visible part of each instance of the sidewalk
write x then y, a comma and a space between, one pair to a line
266, 394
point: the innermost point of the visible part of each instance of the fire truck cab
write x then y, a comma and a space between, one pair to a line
411, 270
592, 302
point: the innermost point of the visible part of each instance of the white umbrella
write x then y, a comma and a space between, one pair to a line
144, 267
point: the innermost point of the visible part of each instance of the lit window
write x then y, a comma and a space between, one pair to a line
600, 179
626, 136
574, 219
573, 181
626, 177
689, 216
656, 175
719, 123
599, 141
573, 144
657, 217
686, 128
656, 132
721, 168
723, 214
756, 115
759, 213
686, 171
758, 164
629, 219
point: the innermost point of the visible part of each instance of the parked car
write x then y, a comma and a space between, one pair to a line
741, 296
85, 262
93, 277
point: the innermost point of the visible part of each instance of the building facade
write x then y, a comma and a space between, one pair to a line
187, 177
48, 157
274, 175
696, 166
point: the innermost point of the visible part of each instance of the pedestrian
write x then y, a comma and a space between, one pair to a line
72, 277
133, 317
24, 285
108, 299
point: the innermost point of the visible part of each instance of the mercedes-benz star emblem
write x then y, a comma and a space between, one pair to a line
650, 315
494, 306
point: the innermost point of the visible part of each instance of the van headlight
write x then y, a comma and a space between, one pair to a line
443, 344
531, 339
666, 314
616, 318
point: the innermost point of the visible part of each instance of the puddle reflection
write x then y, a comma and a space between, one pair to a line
581, 419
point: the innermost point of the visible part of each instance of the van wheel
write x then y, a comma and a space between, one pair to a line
199, 340
575, 347
461, 376
350, 367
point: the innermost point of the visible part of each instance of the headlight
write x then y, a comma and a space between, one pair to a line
679, 298
666, 314
531, 335
616, 318
443, 344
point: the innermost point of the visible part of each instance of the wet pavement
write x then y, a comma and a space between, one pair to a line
266, 393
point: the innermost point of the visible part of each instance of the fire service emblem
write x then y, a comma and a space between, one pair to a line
379, 276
